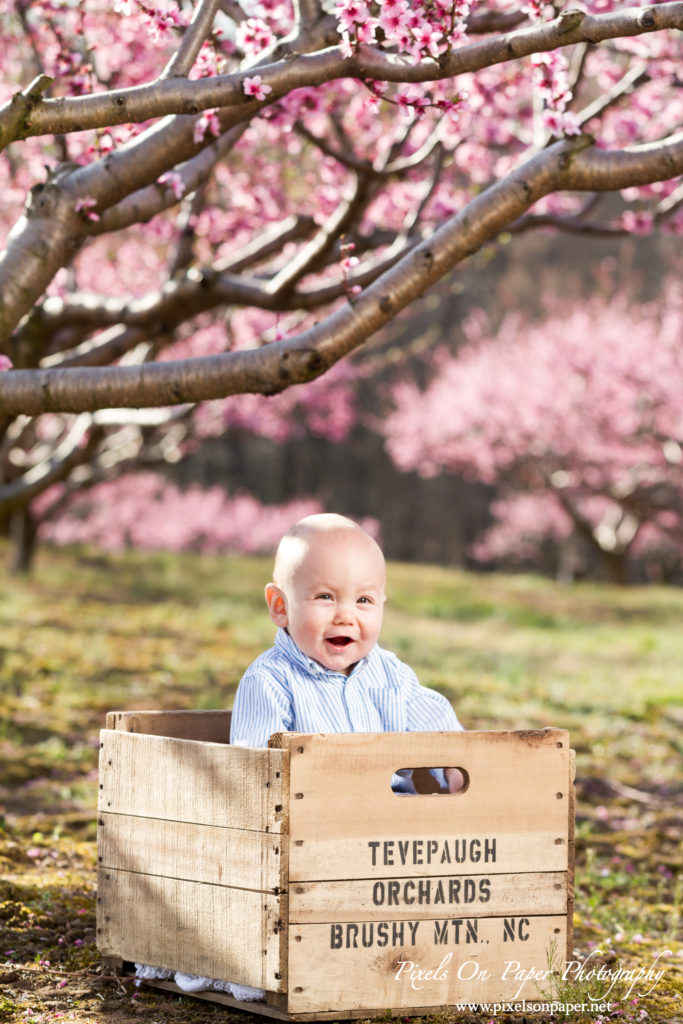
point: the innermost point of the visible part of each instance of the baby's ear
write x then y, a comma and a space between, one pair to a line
277, 605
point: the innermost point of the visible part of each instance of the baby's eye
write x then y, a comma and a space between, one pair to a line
364, 600
323, 597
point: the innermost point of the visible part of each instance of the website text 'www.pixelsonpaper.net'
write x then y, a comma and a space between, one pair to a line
534, 1007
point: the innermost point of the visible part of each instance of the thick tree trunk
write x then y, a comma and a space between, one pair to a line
24, 537
615, 564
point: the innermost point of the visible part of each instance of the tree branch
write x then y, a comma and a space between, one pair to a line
306, 13
147, 202
268, 243
312, 255
70, 453
233, 11
634, 77
22, 117
182, 62
267, 370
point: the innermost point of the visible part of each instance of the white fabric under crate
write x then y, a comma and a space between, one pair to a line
195, 983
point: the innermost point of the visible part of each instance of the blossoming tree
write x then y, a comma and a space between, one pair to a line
225, 198
577, 421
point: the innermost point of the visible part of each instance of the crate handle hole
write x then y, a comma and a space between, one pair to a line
425, 783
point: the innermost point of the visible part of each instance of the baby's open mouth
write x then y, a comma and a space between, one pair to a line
339, 641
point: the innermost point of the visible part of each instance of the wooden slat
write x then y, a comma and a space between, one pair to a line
186, 780
341, 803
392, 899
208, 726
328, 979
240, 858
571, 828
210, 930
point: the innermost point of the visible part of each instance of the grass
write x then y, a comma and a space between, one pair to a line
88, 633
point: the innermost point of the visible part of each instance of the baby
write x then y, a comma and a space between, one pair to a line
326, 672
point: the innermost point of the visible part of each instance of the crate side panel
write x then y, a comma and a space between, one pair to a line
571, 830
210, 930
420, 898
188, 780
209, 726
517, 798
241, 858
332, 970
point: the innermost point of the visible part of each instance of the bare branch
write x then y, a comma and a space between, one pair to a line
313, 254
102, 350
669, 206
133, 321
347, 158
187, 220
414, 218
569, 164
569, 225
306, 13
142, 205
196, 32
28, 263
140, 417
233, 11
494, 21
268, 243
432, 142
634, 77
71, 452
323, 295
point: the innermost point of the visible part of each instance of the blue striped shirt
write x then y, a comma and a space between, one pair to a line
284, 690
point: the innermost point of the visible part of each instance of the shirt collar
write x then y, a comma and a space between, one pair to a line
296, 656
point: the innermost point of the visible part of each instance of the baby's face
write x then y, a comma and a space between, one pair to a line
335, 600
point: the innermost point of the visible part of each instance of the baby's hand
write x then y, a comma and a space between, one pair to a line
455, 779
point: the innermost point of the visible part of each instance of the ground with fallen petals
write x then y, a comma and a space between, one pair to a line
89, 633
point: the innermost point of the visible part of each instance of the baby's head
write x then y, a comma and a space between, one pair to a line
328, 590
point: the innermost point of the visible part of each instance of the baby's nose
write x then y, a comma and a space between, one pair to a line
344, 612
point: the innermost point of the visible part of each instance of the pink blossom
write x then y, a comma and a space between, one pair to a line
428, 40
160, 22
5, 362
561, 122
351, 13
600, 387
365, 33
85, 205
174, 181
253, 36
637, 222
206, 122
394, 19
345, 45
255, 87
154, 515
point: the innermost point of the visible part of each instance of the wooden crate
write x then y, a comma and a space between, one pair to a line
297, 870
